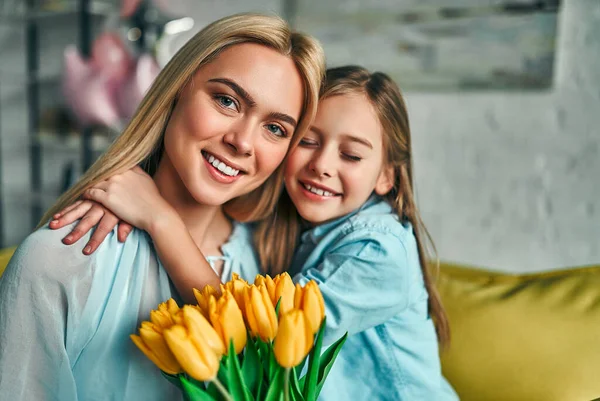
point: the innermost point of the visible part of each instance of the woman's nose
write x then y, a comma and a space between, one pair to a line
241, 140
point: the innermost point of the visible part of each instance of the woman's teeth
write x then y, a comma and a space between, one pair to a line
219, 165
317, 191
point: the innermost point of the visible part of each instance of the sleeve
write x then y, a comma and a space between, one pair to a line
40, 293
364, 280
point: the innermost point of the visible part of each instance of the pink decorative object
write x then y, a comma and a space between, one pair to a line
128, 7
87, 92
131, 93
178, 8
110, 57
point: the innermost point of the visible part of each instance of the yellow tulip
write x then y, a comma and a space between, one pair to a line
260, 313
163, 317
203, 296
237, 287
227, 320
284, 293
193, 353
152, 343
267, 281
294, 339
310, 300
199, 327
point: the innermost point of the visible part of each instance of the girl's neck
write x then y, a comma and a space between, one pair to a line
199, 219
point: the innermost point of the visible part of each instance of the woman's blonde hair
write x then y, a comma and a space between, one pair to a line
276, 238
141, 143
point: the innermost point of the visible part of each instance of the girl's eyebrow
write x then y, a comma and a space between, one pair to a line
347, 137
356, 139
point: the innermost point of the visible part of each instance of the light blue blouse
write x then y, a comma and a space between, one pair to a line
367, 267
65, 318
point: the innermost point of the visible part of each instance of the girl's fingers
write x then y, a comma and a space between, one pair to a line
96, 195
75, 212
67, 209
123, 230
91, 218
106, 225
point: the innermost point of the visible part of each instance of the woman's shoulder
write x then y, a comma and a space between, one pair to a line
43, 253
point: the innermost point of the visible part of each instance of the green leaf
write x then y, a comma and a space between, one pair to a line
277, 307
237, 388
275, 392
193, 392
173, 379
252, 369
327, 360
214, 392
312, 378
295, 386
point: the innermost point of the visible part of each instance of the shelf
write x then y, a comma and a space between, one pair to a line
97, 8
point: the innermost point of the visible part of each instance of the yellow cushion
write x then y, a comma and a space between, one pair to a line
5, 255
523, 337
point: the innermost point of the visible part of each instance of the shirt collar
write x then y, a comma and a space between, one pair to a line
315, 233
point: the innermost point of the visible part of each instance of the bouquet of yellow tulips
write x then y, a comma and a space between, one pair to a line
248, 342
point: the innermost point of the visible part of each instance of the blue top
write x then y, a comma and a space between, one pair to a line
367, 267
65, 318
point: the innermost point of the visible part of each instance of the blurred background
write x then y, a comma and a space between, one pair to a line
504, 100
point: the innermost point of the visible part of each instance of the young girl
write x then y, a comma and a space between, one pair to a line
356, 232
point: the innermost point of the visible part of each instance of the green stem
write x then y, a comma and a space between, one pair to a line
222, 389
286, 385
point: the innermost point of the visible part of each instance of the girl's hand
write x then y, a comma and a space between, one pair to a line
91, 214
133, 197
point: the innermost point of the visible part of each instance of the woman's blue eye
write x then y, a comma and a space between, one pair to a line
226, 101
276, 129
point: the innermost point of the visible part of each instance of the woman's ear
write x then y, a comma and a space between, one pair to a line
385, 181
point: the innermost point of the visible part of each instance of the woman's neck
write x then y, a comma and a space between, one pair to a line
199, 219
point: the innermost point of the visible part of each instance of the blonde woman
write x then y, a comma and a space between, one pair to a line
211, 135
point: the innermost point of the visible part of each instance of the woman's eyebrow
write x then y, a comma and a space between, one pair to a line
241, 92
284, 117
249, 100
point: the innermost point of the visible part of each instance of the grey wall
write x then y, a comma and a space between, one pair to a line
509, 181
505, 180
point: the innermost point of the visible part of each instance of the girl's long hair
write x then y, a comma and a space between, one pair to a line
277, 237
141, 143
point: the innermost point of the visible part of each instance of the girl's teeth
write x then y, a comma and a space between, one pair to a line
317, 191
222, 167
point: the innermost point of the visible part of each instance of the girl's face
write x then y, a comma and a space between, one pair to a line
339, 162
232, 125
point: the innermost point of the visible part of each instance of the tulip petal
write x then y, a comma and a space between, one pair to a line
198, 326
201, 366
154, 347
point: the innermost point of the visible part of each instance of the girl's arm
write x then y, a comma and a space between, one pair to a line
365, 279
133, 197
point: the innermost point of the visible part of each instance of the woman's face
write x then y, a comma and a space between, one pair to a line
232, 125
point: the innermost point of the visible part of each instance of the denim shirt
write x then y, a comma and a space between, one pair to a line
367, 267
65, 318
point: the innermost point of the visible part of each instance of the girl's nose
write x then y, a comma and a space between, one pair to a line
322, 165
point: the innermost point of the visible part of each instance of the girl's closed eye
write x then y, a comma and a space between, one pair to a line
307, 142
351, 157
226, 102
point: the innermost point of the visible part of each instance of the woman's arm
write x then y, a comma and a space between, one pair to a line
39, 293
133, 197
